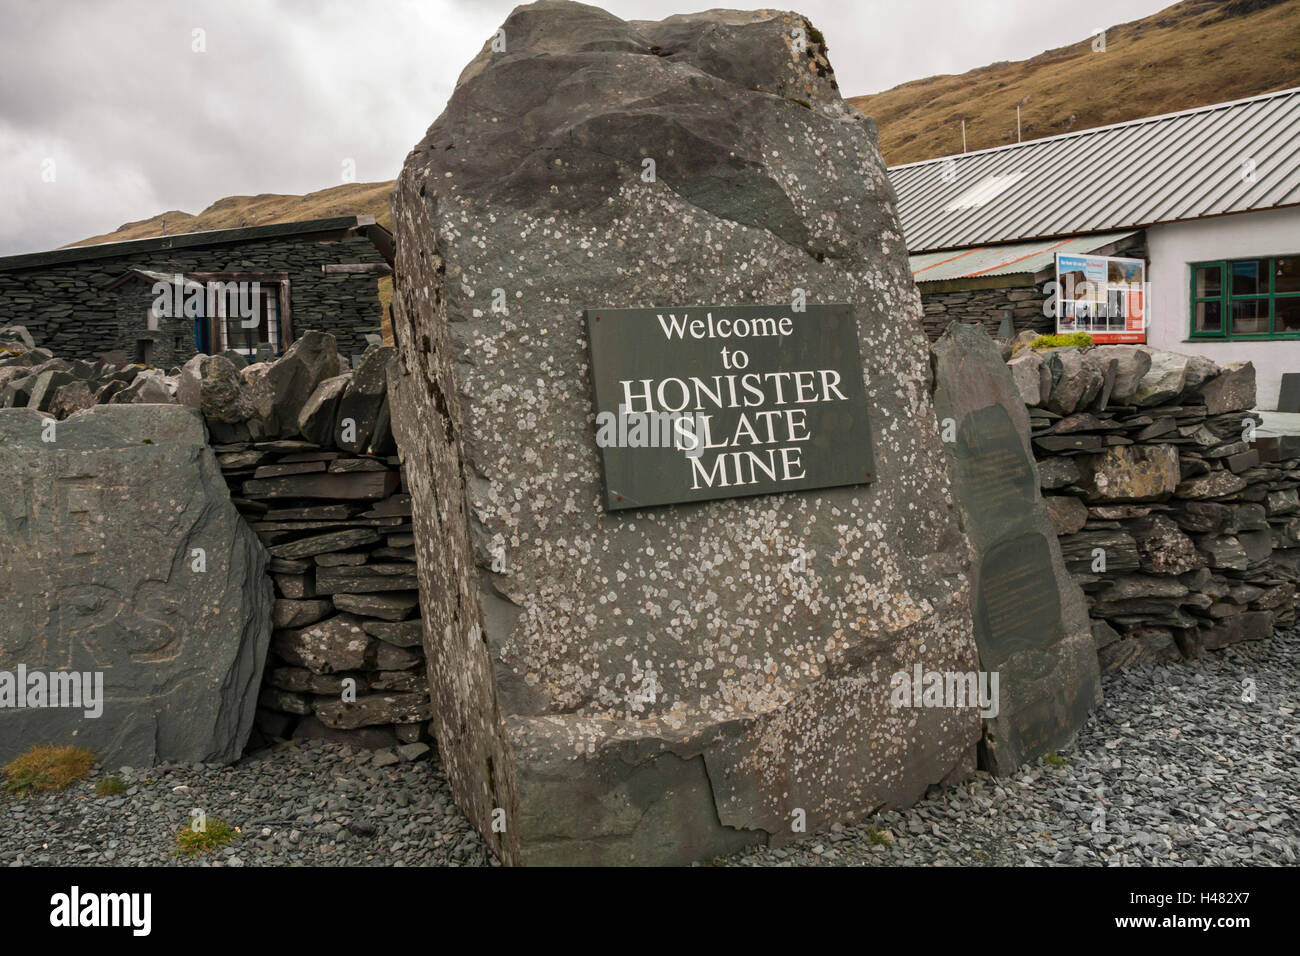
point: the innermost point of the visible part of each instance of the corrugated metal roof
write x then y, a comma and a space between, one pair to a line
1016, 259
1186, 165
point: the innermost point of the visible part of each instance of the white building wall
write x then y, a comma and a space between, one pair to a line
1173, 247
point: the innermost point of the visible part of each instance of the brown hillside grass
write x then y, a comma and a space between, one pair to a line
235, 212
1191, 54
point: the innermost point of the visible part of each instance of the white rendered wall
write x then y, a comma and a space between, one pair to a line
1171, 248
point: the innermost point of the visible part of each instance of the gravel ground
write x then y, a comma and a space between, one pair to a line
1175, 769
1185, 773
300, 804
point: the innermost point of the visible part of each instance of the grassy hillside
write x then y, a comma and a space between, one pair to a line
234, 212
1191, 54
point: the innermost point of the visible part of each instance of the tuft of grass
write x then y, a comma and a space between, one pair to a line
217, 834
880, 837
110, 787
1078, 339
47, 768
1056, 760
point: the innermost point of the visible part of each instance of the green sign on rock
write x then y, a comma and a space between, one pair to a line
701, 402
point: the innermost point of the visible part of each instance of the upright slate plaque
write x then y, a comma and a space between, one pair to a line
710, 402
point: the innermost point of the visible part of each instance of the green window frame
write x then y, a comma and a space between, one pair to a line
1245, 300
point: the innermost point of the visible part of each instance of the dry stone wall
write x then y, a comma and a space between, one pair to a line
305, 448
1181, 526
1023, 304
337, 527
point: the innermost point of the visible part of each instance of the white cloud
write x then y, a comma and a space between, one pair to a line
286, 90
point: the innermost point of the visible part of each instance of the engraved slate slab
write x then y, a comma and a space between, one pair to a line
99, 530
659, 685
714, 402
1031, 622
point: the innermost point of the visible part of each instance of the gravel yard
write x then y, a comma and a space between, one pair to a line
1184, 772
1175, 769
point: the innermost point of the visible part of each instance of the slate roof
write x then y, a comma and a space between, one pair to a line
363, 225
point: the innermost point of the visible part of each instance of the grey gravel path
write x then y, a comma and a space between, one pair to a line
1184, 772
1175, 769
305, 804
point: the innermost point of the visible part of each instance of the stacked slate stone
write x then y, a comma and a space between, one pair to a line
1279, 472
1167, 517
315, 474
32, 377
988, 307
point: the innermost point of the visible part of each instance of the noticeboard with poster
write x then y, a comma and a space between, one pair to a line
1101, 295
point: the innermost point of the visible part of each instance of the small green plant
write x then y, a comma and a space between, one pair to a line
110, 787
47, 768
880, 837
1078, 339
217, 833
1056, 760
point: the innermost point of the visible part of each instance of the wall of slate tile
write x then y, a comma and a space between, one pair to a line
337, 526
1181, 525
986, 306
65, 308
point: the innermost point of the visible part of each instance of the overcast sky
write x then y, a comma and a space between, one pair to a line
115, 103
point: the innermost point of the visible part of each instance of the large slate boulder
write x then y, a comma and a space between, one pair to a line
1232, 390
212, 385
1131, 366
1031, 622
72, 398
1129, 473
1032, 377
361, 405
662, 685
122, 555
1165, 379
1075, 381
320, 412
293, 377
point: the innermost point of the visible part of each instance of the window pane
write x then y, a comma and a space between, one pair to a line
1286, 273
1286, 315
1207, 282
1209, 317
1249, 277
240, 337
1249, 316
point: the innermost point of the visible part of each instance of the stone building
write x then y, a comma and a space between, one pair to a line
158, 301
1206, 198
995, 284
